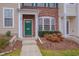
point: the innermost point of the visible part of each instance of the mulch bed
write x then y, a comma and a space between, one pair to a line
18, 44
63, 45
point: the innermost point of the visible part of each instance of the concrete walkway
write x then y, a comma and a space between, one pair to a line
30, 48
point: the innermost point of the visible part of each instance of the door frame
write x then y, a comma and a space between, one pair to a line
24, 27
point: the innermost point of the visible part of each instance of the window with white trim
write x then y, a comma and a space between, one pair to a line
8, 17
40, 4
46, 23
27, 4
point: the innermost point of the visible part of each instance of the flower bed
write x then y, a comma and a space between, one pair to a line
54, 36
62, 45
62, 48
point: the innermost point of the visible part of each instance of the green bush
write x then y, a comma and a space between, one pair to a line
3, 43
42, 33
8, 33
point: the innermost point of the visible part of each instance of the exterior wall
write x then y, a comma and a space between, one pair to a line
9, 5
61, 16
71, 9
77, 22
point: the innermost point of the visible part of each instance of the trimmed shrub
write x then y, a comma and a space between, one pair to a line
8, 33
54, 37
42, 33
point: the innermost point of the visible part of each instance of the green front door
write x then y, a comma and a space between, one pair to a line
28, 27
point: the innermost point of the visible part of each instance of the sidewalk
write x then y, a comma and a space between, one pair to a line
30, 48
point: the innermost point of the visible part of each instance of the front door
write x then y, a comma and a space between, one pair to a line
28, 27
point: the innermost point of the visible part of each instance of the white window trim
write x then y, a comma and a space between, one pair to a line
49, 21
50, 24
43, 24
12, 19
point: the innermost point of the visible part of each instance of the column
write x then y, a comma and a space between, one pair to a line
20, 26
77, 22
65, 21
36, 26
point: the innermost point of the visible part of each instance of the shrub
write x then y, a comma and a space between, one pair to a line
42, 33
8, 33
3, 43
54, 37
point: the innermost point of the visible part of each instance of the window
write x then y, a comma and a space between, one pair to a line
27, 4
33, 4
8, 17
40, 5
52, 5
40, 24
46, 23
47, 4
52, 24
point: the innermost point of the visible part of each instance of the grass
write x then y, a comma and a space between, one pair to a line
73, 52
14, 53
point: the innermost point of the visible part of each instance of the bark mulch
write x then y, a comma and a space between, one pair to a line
63, 45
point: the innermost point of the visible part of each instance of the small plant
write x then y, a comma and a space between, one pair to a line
8, 33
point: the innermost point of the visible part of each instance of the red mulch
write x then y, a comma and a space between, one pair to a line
63, 45
18, 44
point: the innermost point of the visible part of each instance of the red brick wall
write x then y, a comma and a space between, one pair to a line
53, 12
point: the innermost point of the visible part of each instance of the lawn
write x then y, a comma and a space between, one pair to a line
14, 53
73, 52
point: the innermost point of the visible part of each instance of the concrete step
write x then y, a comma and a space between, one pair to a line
29, 42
